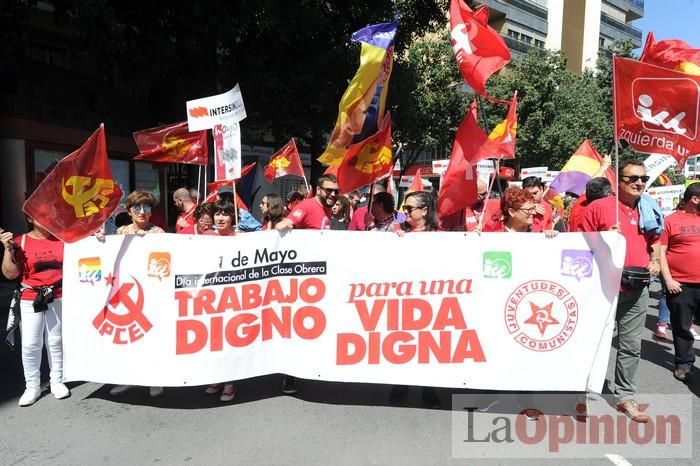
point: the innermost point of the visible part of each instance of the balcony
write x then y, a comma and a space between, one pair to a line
620, 26
528, 7
517, 45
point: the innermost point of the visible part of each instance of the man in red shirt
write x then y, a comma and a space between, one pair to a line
184, 203
680, 254
314, 213
596, 188
601, 215
361, 213
543, 219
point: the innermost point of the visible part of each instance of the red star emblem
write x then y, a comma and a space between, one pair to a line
541, 316
109, 280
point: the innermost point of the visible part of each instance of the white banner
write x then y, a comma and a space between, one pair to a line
227, 152
440, 166
222, 109
484, 169
656, 164
667, 196
539, 172
520, 312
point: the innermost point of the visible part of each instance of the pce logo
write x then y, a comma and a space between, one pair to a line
159, 265
89, 270
122, 318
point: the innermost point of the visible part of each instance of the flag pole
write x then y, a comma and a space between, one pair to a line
615, 141
235, 206
199, 181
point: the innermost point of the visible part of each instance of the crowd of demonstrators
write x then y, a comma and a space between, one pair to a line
641, 260
36, 258
680, 254
340, 214
273, 210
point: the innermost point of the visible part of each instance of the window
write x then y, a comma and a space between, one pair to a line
49, 55
601, 43
513, 34
539, 44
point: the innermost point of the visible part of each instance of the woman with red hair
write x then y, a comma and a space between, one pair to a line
516, 213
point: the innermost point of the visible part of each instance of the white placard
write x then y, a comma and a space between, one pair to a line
222, 109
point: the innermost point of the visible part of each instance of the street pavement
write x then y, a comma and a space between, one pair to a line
326, 423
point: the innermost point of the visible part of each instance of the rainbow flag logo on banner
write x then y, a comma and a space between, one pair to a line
89, 270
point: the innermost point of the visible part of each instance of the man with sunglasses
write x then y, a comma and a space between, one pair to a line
314, 213
642, 252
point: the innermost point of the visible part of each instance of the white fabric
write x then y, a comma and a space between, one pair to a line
39, 328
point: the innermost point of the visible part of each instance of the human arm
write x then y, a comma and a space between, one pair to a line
285, 224
672, 285
655, 261
10, 268
605, 164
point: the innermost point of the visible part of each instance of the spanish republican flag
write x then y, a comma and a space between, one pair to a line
367, 161
673, 54
285, 161
79, 194
479, 49
361, 109
172, 144
578, 171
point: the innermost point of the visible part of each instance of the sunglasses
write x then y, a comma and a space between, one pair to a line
635, 178
330, 192
141, 208
411, 208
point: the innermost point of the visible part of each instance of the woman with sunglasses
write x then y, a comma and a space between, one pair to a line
421, 214
516, 214
139, 204
272, 209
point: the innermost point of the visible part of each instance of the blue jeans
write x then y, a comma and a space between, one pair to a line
664, 311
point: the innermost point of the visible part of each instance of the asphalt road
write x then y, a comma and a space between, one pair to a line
326, 423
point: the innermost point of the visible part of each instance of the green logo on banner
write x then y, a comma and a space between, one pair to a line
497, 264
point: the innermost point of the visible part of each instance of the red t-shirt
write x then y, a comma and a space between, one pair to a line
471, 216
600, 216
309, 214
542, 222
188, 230
357, 223
682, 237
188, 217
576, 213
42, 264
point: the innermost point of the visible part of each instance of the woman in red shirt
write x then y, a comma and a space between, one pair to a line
517, 213
37, 257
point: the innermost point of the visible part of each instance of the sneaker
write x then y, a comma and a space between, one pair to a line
228, 393
289, 385
120, 389
155, 392
213, 389
694, 333
30, 395
682, 374
631, 409
660, 332
60, 391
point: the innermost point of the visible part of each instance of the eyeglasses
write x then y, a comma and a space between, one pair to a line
635, 178
141, 208
530, 211
330, 192
411, 208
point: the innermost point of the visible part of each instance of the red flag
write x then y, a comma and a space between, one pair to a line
331, 170
285, 161
79, 194
173, 144
367, 161
672, 54
213, 188
458, 188
479, 49
416, 184
656, 109
501, 141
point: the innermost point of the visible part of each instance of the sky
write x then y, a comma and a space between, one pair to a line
671, 19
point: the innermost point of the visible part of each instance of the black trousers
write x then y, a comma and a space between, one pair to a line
684, 307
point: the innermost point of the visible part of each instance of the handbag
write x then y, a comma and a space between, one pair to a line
635, 278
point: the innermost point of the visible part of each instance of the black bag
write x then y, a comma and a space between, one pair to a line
44, 296
13, 317
635, 278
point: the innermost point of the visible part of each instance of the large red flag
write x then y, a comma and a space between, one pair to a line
479, 49
657, 109
172, 144
285, 161
458, 188
416, 184
672, 54
501, 141
367, 161
79, 194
